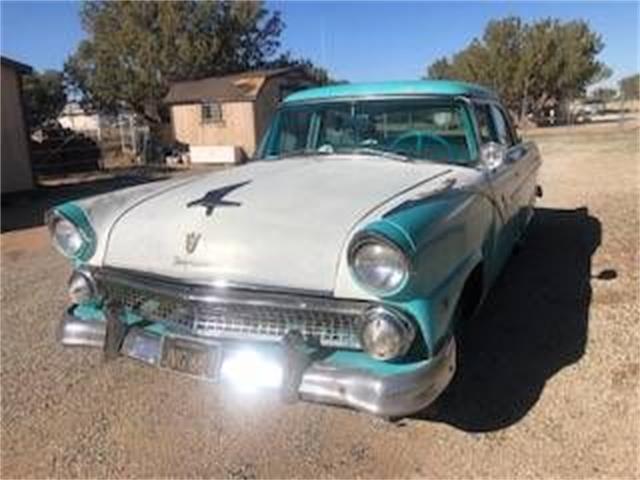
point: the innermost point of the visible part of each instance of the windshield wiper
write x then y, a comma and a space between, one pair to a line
381, 153
359, 150
299, 153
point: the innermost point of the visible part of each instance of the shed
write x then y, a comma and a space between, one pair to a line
223, 118
15, 162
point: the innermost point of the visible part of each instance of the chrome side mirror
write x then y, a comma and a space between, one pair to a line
493, 155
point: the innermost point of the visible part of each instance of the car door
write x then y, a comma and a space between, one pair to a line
503, 178
523, 160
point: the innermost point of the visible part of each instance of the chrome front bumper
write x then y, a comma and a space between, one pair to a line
388, 395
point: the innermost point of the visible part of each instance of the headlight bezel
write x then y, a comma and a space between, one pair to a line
86, 275
395, 318
365, 238
76, 217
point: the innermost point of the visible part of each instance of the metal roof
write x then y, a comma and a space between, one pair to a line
243, 86
17, 66
398, 88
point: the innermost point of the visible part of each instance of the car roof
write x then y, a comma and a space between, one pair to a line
397, 88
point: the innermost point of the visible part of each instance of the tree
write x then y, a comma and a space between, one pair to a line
318, 74
134, 50
441, 69
44, 97
630, 87
529, 65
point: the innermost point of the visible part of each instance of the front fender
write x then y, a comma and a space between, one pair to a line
102, 211
445, 237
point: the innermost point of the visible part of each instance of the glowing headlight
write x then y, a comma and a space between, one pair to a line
378, 265
386, 333
66, 236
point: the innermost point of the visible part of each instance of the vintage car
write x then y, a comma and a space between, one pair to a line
336, 267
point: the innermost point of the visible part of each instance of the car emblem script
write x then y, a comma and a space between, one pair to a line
215, 198
191, 242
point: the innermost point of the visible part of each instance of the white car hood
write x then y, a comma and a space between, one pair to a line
281, 224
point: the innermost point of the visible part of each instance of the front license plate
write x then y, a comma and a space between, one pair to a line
190, 357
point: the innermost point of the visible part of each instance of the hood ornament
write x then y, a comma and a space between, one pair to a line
215, 198
191, 242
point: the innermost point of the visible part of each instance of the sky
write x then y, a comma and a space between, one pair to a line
355, 41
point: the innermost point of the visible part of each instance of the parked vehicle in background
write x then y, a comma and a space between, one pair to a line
336, 268
587, 110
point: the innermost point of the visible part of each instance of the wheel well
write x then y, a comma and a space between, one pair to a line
472, 292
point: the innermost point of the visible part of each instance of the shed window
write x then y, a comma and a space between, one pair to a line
211, 112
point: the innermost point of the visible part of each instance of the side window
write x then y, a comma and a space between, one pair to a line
486, 127
503, 127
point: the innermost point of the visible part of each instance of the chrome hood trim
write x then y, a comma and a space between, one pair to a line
216, 289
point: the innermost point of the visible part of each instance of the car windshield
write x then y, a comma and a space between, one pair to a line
404, 130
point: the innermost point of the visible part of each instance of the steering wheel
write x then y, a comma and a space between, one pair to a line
419, 135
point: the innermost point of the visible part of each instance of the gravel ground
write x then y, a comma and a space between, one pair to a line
549, 386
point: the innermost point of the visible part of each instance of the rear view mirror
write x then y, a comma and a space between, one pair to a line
493, 155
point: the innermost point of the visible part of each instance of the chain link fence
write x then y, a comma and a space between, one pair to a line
124, 142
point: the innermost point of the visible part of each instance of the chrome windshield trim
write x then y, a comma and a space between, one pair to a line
228, 292
367, 98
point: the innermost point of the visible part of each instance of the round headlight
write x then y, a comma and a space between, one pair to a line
378, 265
81, 287
386, 333
66, 236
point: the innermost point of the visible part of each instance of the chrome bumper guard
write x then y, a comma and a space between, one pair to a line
394, 395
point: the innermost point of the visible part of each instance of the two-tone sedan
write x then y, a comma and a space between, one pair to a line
335, 267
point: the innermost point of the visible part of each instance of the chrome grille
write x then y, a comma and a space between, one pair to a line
237, 314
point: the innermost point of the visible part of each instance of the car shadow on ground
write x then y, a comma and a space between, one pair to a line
26, 209
534, 323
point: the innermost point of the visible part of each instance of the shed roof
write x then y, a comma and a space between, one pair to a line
243, 86
416, 87
17, 66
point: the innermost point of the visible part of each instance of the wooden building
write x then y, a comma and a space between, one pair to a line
222, 119
15, 161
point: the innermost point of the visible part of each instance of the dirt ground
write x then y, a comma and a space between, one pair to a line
549, 386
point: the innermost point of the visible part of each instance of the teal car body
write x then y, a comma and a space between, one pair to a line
416, 194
